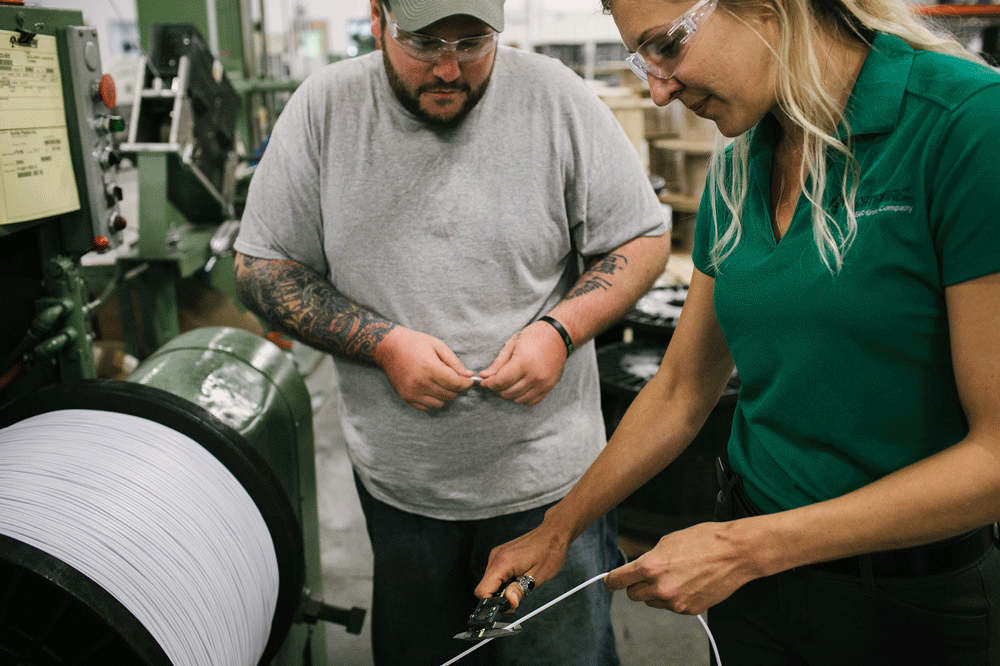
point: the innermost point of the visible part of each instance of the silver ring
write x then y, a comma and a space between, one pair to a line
527, 584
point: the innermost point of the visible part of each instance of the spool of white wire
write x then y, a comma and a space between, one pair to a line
153, 518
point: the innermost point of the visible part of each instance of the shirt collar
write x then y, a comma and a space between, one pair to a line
875, 102
877, 98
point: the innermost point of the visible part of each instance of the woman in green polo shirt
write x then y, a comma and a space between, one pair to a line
848, 263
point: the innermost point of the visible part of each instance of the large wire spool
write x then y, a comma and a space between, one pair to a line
138, 528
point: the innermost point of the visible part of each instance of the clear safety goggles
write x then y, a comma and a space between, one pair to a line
661, 54
427, 48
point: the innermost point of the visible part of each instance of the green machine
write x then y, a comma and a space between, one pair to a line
202, 99
182, 138
90, 557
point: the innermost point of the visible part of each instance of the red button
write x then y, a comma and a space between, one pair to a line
107, 91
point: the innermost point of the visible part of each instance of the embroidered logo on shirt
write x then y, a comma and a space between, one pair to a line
892, 201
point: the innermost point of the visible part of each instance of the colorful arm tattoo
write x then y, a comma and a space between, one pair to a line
301, 302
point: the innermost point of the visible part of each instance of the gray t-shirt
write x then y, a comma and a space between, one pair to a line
468, 235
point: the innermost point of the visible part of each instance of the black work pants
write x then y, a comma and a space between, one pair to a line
811, 617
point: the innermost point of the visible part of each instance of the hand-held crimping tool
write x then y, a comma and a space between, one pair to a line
483, 621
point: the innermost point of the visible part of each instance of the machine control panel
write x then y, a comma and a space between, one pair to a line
96, 124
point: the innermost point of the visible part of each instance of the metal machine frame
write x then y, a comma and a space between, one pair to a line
47, 340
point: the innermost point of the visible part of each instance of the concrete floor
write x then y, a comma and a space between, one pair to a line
645, 635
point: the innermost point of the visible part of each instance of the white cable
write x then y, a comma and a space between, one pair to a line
558, 599
711, 639
153, 518
562, 596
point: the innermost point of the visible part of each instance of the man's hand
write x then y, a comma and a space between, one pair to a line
421, 368
529, 365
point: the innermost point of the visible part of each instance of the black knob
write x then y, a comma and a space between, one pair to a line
113, 194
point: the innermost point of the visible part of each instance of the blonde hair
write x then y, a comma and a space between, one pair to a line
804, 99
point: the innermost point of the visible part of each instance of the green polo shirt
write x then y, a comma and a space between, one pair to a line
848, 377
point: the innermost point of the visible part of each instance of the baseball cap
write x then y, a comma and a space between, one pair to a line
412, 15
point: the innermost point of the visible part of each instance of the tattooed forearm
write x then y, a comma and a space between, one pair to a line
594, 278
301, 302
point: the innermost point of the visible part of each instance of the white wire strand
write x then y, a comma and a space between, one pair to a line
153, 518
711, 639
562, 596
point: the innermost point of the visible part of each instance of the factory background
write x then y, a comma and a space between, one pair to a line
140, 300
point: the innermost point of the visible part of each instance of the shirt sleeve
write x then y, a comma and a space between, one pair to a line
702, 250
283, 218
965, 201
610, 199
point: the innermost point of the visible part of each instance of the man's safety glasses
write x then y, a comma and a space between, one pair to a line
430, 49
661, 54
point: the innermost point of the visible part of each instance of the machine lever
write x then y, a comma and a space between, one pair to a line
314, 610
24, 37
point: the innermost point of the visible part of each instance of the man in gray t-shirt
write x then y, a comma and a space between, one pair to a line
451, 219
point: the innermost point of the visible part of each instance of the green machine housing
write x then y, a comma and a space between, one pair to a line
236, 393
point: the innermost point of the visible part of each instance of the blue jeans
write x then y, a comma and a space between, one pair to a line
426, 569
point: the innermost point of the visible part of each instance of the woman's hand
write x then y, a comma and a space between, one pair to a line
540, 553
687, 571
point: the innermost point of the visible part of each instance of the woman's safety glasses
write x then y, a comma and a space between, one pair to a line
430, 49
661, 54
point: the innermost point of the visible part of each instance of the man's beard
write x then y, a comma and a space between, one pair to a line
412, 102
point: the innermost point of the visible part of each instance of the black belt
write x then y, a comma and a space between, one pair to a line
926, 560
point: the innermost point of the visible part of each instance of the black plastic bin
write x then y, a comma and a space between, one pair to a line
683, 493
